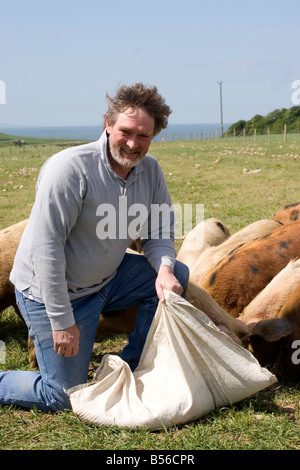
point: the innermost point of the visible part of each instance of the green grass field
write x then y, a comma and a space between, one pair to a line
197, 172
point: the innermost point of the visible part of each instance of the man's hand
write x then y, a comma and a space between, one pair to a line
66, 342
166, 280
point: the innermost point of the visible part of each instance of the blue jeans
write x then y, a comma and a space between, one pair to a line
133, 284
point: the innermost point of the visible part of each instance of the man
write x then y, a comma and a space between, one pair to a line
71, 262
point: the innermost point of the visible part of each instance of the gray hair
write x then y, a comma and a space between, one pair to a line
139, 96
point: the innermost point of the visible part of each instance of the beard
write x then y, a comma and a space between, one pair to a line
121, 155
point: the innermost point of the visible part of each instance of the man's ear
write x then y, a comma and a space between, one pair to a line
107, 127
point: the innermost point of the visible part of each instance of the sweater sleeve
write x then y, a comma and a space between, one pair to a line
158, 237
58, 203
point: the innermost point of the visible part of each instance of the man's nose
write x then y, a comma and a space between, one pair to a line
132, 142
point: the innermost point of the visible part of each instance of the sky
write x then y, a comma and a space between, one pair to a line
59, 58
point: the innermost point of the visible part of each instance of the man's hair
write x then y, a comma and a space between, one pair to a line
139, 96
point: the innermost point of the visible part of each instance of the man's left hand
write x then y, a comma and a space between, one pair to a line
166, 280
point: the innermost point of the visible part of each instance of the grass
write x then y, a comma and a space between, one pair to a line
204, 172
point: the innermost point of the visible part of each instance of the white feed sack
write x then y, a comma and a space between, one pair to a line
187, 369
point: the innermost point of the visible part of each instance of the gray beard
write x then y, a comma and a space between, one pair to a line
116, 155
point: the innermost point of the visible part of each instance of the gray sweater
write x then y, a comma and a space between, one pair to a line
77, 233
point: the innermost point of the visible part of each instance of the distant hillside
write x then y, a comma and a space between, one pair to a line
8, 140
275, 121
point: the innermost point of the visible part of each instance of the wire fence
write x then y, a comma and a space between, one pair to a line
217, 135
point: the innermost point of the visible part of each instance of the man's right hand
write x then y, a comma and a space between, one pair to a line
66, 342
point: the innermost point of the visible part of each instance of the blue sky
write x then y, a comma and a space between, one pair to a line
59, 58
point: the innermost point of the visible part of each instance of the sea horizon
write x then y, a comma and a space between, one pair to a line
172, 132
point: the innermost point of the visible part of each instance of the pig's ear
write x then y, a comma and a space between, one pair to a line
271, 330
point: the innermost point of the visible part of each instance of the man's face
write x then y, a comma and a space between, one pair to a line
130, 138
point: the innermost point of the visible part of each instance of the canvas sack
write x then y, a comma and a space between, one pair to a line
187, 369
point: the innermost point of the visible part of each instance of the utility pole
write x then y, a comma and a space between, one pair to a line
221, 107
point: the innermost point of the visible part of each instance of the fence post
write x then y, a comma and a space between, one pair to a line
284, 133
255, 136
